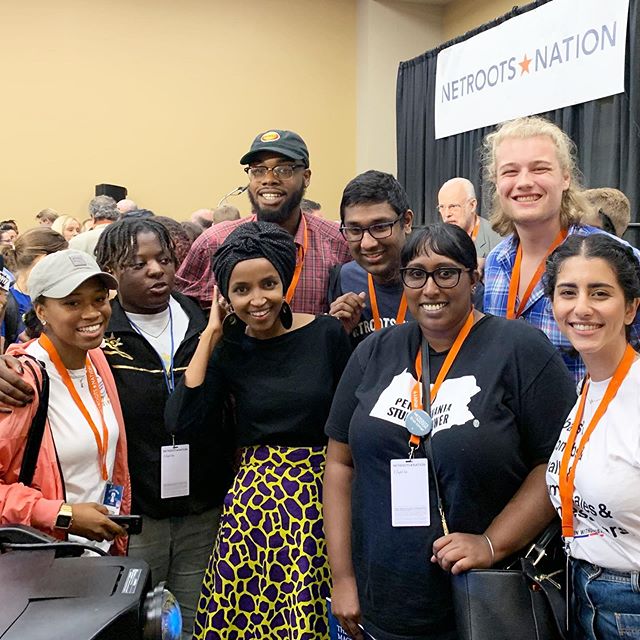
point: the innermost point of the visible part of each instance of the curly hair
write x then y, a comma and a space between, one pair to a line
573, 203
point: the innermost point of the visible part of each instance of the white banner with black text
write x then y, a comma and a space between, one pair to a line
562, 53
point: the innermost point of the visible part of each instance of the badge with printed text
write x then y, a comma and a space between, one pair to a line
410, 493
418, 423
174, 471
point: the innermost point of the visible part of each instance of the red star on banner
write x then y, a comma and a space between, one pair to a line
525, 64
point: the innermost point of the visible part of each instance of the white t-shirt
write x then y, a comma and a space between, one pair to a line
607, 481
157, 329
75, 443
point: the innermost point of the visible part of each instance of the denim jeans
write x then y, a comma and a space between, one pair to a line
606, 603
177, 549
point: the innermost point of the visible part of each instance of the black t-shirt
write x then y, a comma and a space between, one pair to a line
497, 415
282, 387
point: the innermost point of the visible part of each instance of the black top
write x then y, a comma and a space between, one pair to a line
496, 416
137, 369
282, 386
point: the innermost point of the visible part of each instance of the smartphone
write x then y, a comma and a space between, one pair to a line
132, 524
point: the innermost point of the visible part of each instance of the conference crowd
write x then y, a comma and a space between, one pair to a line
339, 421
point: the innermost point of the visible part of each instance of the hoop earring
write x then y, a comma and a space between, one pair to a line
232, 326
286, 317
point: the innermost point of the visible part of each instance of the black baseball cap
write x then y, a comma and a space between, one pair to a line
287, 143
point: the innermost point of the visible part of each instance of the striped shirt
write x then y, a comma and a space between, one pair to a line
326, 248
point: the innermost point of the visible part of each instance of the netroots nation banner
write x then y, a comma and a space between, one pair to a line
564, 52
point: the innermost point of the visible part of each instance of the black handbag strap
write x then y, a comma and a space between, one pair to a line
36, 430
426, 441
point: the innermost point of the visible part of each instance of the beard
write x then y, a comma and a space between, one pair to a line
278, 216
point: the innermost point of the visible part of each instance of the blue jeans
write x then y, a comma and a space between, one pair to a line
177, 550
606, 603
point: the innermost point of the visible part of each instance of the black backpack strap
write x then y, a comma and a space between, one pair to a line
36, 430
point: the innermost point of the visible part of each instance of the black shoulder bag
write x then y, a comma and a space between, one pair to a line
524, 601
36, 430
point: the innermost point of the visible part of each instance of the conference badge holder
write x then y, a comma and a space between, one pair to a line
174, 470
410, 476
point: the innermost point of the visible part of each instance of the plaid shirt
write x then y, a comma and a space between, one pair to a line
326, 248
539, 311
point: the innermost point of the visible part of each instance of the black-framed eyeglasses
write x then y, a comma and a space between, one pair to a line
379, 231
444, 277
280, 171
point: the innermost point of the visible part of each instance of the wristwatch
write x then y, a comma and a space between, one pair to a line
65, 517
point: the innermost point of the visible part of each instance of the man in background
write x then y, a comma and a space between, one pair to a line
225, 213
202, 217
126, 205
103, 212
311, 207
457, 204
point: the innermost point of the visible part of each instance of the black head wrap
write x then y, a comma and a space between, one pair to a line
255, 240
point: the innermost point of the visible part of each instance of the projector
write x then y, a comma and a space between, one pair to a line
50, 591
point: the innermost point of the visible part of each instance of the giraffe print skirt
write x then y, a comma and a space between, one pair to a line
268, 575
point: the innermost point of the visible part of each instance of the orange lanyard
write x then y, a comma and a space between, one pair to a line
567, 476
416, 393
514, 284
102, 443
476, 228
402, 309
299, 261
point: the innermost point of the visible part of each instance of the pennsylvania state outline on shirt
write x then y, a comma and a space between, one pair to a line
450, 409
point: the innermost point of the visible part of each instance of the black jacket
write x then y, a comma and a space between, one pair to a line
138, 372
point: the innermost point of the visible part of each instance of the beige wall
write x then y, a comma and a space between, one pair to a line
164, 97
388, 32
461, 16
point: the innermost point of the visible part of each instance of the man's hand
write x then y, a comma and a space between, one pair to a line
348, 309
14, 391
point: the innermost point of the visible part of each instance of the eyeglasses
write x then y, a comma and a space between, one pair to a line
378, 231
444, 277
281, 171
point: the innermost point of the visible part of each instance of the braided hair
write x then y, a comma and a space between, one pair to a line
255, 240
118, 243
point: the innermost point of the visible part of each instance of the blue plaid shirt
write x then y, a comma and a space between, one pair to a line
538, 312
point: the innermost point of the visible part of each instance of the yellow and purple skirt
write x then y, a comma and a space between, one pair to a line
268, 575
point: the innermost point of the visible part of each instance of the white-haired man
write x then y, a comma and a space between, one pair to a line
457, 204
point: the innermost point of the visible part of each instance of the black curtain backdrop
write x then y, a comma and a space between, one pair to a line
606, 131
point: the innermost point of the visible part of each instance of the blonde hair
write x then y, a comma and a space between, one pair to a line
573, 203
61, 222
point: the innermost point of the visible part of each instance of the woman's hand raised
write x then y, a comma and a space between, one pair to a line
219, 309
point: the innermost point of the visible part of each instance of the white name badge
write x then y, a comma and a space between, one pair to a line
410, 493
174, 471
